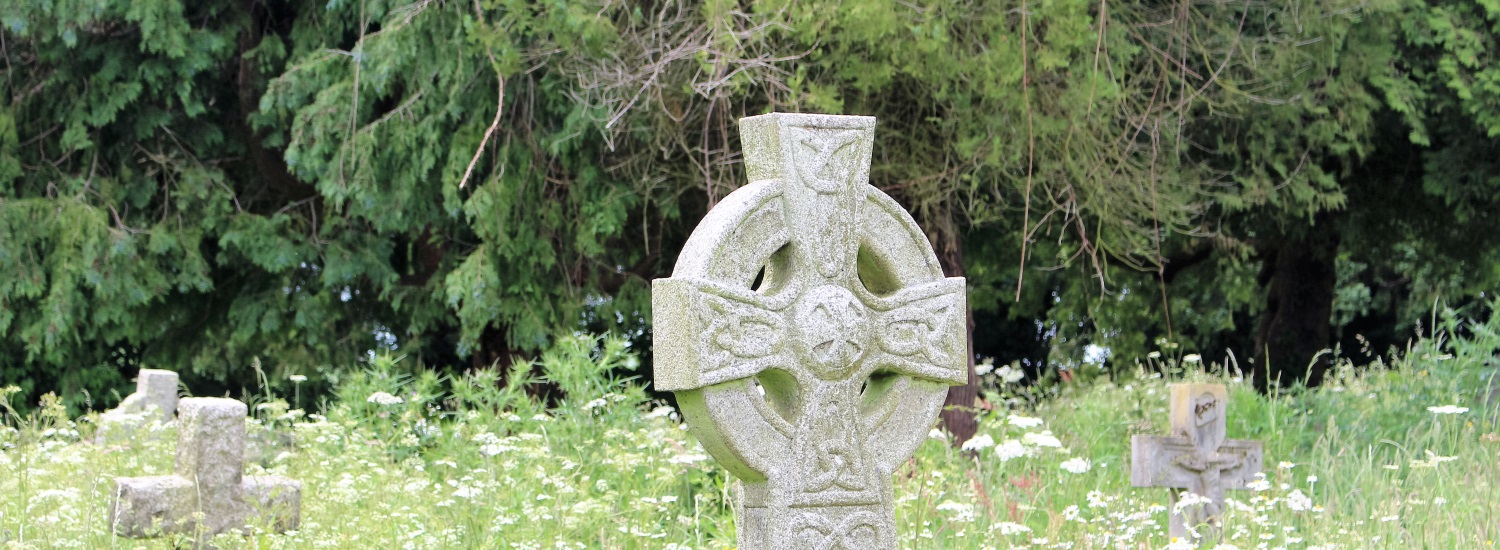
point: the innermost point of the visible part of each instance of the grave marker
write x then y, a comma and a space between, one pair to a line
153, 387
810, 336
1196, 457
209, 479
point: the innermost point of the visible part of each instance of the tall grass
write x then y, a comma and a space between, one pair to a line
405, 458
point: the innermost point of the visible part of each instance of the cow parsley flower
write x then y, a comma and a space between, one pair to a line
1023, 421
1008, 528
1077, 465
984, 367
1010, 449
383, 398
979, 442
1044, 439
1448, 409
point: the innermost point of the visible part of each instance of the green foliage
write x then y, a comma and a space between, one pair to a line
208, 183
196, 185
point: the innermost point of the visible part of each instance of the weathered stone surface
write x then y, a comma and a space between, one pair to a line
813, 385
154, 400
208, 495
1196, 457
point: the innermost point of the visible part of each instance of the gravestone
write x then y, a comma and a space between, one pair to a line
809, 336
208, 495
1195, 458
153, 387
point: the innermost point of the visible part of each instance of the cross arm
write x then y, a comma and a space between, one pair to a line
145, 504
706, 333
922, 331
1154, 462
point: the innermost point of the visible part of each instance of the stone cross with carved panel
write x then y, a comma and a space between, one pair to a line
1196, 458
810, 336
209, 495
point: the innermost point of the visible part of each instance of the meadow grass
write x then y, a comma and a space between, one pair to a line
403, 459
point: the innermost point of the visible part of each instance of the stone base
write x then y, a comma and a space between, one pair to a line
145, 506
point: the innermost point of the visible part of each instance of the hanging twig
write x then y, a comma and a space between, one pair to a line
1030, 152
499, 109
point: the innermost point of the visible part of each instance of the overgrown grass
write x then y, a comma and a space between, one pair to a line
414, 460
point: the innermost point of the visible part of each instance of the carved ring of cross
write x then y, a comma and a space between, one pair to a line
849, 289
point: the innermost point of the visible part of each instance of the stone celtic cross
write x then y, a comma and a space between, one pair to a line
810, 336
1196, 457
209, 494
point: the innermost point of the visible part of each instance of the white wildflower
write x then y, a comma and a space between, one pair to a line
1076, 465
1071, 512
1009, 374
467, 492
984, 367
1044, 439
1433, 459
297, 378
1008, 528
383, 398
1010, 449
1023, 421
979, 442
1298, 502
937, 434
1189, 500
961, 512
1448, 409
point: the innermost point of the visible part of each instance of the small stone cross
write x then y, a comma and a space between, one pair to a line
209, 494
810, 336
1196, 457
152, 387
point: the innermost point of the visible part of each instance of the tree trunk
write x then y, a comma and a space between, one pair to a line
1300, 278
960, 416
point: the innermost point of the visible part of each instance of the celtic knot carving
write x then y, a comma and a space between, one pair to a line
824, 153
737, 330
831, 452
857, 531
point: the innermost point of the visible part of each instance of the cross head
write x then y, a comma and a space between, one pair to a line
1196, 458
810, 336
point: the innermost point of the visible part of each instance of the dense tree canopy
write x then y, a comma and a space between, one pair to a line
197, 185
